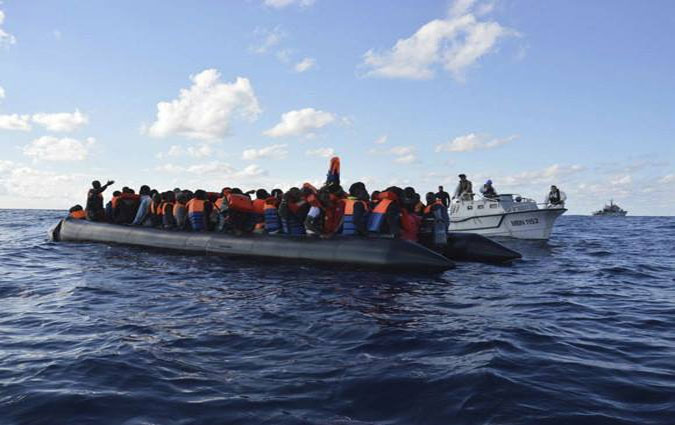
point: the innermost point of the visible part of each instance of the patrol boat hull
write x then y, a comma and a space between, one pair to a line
504, 215
392, 254
533, 224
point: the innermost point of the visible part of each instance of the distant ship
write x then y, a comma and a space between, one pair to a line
611, 210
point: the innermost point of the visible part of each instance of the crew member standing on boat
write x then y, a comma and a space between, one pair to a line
555, 197
464, 188
443, 196
488, 191
94, 210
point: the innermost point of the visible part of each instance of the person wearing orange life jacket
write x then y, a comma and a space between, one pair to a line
236, 209
292, 211
418, 206
94, 209
258, 215
180, 212
124, 207
77, 213
355, 211
271, 216
374, 199
109, 206
197, 211
436, 221
410, 222
169, 201
154, 218
386, 216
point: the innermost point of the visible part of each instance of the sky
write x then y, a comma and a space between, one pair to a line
261, 93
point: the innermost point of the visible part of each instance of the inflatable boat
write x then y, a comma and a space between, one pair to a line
390, 254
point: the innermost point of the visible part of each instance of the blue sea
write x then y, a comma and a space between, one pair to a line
581, 331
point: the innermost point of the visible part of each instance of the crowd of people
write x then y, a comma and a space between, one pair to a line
324, 211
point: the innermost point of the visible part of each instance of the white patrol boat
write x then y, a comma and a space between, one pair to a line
504, 215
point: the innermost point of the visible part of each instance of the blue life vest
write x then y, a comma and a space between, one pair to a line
376, 217
348, 225
196, 214
292, 226
272, 221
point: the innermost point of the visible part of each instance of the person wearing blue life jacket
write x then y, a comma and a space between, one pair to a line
292, 211
355, 211
436, 221
385, 217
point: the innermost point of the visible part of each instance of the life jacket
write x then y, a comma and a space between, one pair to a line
376, 217
168, 221
259, 214
292, 225
125, 207
241, 203
94, 202
418, 208
78, 215
179, 214
410, 225
271, 216
195, 213
348, 224
431, 206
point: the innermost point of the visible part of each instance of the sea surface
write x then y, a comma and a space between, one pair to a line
581, 331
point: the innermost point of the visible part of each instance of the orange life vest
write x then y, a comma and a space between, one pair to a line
429, 207
78, 215
241, 203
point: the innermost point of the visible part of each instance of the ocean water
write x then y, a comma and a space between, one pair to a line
581, 331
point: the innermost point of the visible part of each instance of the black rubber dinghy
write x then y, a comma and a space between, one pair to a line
473, 247
390, 254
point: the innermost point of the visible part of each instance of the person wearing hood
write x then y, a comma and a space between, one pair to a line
488, 191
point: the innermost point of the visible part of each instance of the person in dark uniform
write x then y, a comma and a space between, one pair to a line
94, 209
443, 196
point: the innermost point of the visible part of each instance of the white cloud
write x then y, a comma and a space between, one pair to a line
381, 140
267, 39
300, 122
253, 170
550, 174
197, 151
280, 4
401, 154
472, 142
321, 152
56, 190
210, 168
455, 43
57, 34
405, 159
61, 122
5, 38
15, 122
273, 152
622, 180
667, 179
204, 110
2, 93
50, 148
305, 65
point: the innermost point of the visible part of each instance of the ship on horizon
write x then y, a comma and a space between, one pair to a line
611, 210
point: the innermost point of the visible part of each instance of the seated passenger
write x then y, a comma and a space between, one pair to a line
271, 215
436, 221
374, 199
169, 201
258, 216
236, 211
143, 206
385, 217
292, 211
488, 191
94, 210
124, 207
154, 218
77, 213
355, 211
197, 211
180, 213
109, 206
